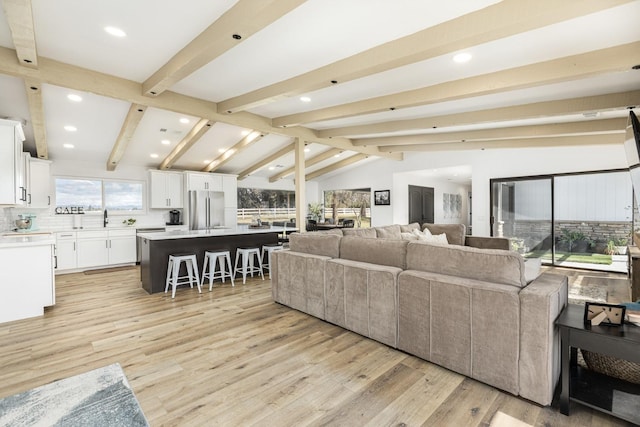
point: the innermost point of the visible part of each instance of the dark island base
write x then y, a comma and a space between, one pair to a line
155, 253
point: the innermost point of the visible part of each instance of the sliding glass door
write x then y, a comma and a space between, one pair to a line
573, 220
522, 212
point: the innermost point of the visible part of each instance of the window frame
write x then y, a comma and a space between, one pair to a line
102, 181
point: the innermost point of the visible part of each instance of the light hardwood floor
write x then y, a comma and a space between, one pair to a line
234, 357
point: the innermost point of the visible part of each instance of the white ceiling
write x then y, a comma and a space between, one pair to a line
315, 34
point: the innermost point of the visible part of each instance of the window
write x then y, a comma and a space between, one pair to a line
94, 195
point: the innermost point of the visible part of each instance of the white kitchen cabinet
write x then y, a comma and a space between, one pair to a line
231, 217
122, 246
204, 181
66, 250
230, 188
166, 189
93, 248
39, 183
12, 185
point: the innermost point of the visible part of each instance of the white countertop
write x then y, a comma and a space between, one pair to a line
26, 240
188, 234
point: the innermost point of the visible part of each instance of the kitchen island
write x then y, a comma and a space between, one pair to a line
156, 248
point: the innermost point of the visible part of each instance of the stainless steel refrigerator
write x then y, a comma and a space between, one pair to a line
206, 209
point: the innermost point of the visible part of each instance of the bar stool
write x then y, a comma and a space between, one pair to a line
173, 271
269, 249
213, 258
247, 255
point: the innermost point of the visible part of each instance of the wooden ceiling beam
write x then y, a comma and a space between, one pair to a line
555, 141
19, 16
33, 89
335, 166
273, 157
582, 105
243, 144
196, 132
598, 62
135, 114
243, 20
515, 132
308, 163
500, 20
82, 79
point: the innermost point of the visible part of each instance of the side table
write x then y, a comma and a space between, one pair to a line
610, 395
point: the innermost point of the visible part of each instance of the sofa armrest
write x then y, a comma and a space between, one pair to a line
487, 242
540, 305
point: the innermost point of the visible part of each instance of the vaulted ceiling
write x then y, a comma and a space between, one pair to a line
229, 85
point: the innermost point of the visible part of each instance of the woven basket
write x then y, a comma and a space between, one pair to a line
612, 366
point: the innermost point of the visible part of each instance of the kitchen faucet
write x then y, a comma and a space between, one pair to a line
106, 218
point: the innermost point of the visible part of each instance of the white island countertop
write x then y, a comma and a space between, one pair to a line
26, 240
236, 231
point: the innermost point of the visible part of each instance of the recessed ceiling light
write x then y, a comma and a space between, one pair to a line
206, 161
70, 128
245, 133
462, 57
67, 145
272, 168
115, 31
154, 156
73, 97
184, 120
336, 155
306, 150
165, 142
305, 99
221, 150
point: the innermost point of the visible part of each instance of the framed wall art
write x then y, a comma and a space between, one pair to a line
382, 197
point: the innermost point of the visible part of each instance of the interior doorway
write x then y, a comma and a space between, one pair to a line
421, 204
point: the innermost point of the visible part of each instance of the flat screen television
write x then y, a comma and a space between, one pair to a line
632, 149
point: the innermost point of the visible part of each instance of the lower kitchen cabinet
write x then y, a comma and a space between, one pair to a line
66, 250
122, 246
95, 248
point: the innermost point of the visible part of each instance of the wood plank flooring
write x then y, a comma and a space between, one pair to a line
234, 357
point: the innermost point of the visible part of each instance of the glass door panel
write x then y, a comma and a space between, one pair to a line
522, 212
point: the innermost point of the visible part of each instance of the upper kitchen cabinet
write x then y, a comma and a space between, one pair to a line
12, 180
204, 181
166, 189
39, 183
230, 188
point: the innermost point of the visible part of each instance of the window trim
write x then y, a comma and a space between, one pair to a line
143, 211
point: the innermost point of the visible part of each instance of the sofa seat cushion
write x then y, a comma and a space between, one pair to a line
390, 252
388, 232
324, 244
360, 232
489, 265
468, 326
362, 298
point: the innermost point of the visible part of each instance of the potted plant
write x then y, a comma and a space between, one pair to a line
621, 246
315, 210
611, 248
571, 238
129, 221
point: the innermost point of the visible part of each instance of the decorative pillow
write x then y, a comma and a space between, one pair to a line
420, 234
426, 236
408, 236
409, 227
532, 269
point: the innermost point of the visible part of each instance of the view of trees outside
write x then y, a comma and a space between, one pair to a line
348, 204
268, 205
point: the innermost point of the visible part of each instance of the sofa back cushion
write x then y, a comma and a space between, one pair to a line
360, 232
389, 252
455, 232
489, 265
388, 232
325, 244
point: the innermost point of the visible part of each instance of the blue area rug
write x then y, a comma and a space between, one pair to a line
101, 397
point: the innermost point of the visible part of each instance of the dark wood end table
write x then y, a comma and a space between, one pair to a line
607, 394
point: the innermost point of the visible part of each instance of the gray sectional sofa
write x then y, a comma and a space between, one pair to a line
469, 309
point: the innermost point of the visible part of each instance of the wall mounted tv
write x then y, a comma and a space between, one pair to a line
632, 149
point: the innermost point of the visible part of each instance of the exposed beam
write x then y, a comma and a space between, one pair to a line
135, 114
254, 167
587, 104
244, 19
495, 22
309, 162
243, 144
516, 132
187, 142
82, 79
609, 60
20, 19
335, 166
558, 141
36, 111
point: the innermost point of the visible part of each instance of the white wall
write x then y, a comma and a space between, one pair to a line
486, 164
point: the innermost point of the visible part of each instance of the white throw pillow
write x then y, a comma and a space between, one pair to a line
408, 236
431, 238
441, 238
421, 233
